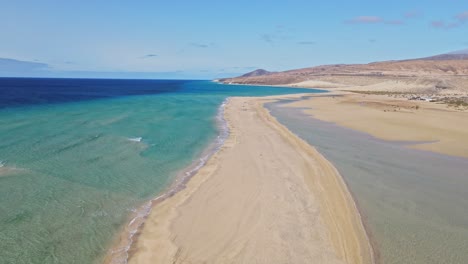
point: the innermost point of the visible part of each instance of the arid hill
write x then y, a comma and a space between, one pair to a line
259, 72
441, 74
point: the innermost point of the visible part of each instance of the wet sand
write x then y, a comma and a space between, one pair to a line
265, 197
396, 119
413, 201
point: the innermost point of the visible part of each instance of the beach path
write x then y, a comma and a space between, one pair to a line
265, 197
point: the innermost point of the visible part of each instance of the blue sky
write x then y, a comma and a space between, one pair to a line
209, 39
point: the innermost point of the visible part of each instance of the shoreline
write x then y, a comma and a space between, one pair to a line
161, 224
415, 124
457, 100
372, 242
392, 174
373, 250
121, 248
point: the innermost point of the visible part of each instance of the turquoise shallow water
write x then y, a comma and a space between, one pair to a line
72, 172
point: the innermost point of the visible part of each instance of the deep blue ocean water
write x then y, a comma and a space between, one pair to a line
79, 156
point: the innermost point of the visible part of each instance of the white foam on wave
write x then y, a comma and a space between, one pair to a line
120, 255
135, 139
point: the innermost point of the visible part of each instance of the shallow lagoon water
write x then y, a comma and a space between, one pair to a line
414, 203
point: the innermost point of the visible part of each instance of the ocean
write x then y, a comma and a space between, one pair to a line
80, 157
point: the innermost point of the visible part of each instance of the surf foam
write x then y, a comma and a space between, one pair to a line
120, 254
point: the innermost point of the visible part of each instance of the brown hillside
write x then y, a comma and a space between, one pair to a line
428, 75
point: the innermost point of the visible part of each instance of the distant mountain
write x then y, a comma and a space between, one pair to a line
465, 51
447, 72
455, 55
258, 72
10, 65
19, 68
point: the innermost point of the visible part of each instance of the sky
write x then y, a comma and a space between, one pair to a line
211, 39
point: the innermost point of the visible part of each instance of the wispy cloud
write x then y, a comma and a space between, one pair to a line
374, 20
148, 56
462, 17
306, 42
267, 38
452, 25
380, 20
276, 34
412, 14
457, 21
394, 22
272, 38
438, 24
200, 45
365, 20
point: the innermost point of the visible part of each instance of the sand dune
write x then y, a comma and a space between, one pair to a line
266, 197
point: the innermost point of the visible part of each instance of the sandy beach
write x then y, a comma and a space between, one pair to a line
438, 127
265, 197
410, 199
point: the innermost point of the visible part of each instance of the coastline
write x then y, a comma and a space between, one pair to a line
397, 186
416, 124
339, 233
120, 249
366, 237
382, 105
311, 108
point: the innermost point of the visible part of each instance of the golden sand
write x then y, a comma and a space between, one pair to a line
265, 197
